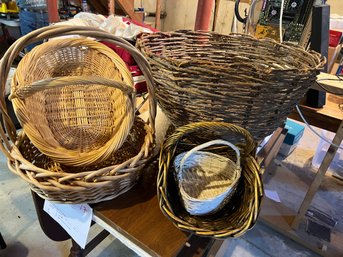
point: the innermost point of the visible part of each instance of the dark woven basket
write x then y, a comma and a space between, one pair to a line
240, 213
205, 76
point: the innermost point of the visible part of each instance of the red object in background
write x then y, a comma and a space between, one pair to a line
334, 38
139, 24
125, 55
203, 16
53, 11
138, 78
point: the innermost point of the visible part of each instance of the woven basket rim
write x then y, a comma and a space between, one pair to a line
187, 223
321, 60
55, 149
80, 191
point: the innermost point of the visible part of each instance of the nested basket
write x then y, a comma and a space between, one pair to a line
236, 78
239, 213
86, 85
206, 180
74, 99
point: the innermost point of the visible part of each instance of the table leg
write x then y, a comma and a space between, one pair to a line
76, 250
319, 177
266, 155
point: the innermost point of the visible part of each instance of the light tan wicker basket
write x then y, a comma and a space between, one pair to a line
55, 181
74, 99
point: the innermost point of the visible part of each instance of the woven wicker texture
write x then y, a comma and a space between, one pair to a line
57, 181
236, 216
59, 97
205, 76
206, 180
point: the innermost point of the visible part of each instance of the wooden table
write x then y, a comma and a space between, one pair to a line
136, 220
330, 117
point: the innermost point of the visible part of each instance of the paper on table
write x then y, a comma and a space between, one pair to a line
74, 218
272, 195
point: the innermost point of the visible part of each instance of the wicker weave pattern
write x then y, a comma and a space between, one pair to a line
204, 76
69, 118
55, 181
206, 180
241, 212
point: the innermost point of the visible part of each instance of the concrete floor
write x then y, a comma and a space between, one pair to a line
21, 230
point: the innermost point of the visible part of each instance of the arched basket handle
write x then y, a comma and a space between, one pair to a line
210, 143
248, 148
57, 82
10, 133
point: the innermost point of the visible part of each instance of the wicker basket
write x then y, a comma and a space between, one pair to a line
206, 180
57, 181
74, 99
205, 76
241, 211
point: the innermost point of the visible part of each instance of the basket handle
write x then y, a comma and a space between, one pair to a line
210, 143
57, 82
179, 133
9, 133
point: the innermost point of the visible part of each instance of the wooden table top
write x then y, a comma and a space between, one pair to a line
330, 82
137, 215
329, 117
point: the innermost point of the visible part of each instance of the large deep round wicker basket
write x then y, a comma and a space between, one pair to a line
74, 99
61, 182
205, 76
241, 211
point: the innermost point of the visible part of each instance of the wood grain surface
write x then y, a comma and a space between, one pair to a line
137, 215
329, 117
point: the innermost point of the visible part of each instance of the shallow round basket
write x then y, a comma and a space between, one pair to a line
241, 211
66, 183
205, 76
74, 99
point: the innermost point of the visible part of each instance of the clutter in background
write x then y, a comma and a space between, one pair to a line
116, 25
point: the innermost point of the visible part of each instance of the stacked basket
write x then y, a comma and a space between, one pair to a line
205, 76
81, 138
202, 200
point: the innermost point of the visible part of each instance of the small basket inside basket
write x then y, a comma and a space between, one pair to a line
206, 180
240, 207
74, 99
89, 181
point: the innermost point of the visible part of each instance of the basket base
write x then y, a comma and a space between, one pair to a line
88, 195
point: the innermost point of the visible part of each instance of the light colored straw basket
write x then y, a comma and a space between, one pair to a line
74, 99
236, 78
57, 181
206, 180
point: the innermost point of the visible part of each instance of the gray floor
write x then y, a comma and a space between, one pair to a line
24, 238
